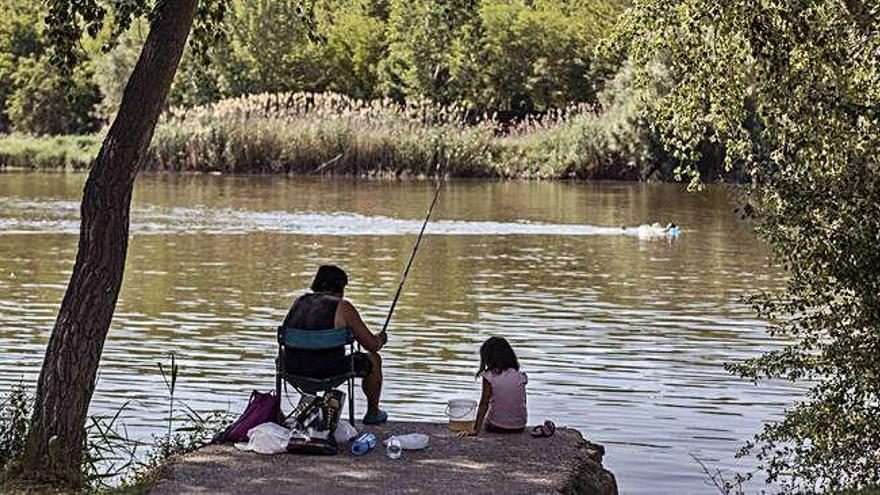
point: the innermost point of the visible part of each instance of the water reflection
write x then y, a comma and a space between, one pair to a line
622, 338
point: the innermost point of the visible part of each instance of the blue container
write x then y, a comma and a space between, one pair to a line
363, 444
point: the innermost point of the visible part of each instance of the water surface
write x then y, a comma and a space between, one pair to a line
622, 337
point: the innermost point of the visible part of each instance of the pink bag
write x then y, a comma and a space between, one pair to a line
262, 408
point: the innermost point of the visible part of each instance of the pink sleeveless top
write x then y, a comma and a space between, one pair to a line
507, 404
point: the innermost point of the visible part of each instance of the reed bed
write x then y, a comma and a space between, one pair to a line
309, 133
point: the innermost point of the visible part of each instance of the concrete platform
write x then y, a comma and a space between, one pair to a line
490, 463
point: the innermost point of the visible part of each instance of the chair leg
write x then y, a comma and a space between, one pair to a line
351, 383
278, 394
351, 401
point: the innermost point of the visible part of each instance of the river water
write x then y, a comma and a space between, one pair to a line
622, 337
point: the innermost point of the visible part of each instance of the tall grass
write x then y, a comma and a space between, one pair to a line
305, 133
302, 133
111, 458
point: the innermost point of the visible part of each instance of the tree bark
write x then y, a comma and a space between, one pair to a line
54, 448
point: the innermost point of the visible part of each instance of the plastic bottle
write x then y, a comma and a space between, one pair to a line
393, 449
410, 441
363, 444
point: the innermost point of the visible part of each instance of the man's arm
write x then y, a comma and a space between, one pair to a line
362, 334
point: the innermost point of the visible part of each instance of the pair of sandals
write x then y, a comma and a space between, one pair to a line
545, 430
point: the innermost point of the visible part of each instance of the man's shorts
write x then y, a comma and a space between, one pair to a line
362, 365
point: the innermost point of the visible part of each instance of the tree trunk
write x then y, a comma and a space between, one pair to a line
67, 380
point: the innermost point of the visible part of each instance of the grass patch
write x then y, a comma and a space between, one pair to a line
49, 152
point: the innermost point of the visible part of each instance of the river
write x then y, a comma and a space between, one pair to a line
622, 337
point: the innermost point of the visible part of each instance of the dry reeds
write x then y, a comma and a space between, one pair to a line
306, 133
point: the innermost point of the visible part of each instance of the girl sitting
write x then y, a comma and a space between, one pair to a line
503, 403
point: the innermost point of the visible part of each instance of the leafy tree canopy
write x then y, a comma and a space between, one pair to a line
68, 22
489, 55
791, 90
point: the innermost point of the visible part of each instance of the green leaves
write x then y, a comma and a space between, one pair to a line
69, 22
46, 102
15, 412
791, 90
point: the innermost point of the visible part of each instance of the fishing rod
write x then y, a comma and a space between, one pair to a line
415, 248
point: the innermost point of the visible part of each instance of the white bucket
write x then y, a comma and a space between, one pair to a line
461, 413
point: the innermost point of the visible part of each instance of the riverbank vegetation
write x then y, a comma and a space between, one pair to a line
329, 133
511, 59
791, 90
372, 87
69, 152
111, 459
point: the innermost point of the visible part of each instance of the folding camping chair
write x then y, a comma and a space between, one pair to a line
292, 338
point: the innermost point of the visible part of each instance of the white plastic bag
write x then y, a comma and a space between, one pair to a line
267, 438
410, 441
344, 431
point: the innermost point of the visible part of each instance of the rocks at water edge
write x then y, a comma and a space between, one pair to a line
589, 476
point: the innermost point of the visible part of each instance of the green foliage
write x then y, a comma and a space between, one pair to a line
490, 55
171, 384
69, 23
194, 83
268, 49
425, 37
46, 101
354, 46
56, 152
494, 55
533, 57
113, 68
20, 38
109, 452
198, 430
111, 457
15, 412
86, 37
791, 90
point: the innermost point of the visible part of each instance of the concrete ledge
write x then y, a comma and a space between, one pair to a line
490, 463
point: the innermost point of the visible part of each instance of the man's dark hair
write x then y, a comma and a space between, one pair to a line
330, 278
496, 355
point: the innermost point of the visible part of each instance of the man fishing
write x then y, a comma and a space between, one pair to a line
325, 308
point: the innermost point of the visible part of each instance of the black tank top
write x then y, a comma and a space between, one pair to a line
313, 312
